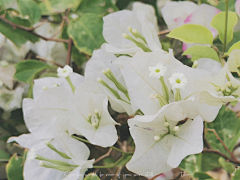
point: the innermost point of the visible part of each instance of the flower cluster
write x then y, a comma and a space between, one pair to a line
169, 100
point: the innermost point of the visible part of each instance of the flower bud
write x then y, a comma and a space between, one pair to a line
94, 124
166, 124
125, 35
96, 111
156, 138
176, 129
223, 89
195, 64
99, 80
129, 28
228, 84
217, 89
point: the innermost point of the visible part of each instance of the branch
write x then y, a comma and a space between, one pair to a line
164, 32
116, 149
46, 60
205, 150
69, 51
224, 145
104, 156
31, 30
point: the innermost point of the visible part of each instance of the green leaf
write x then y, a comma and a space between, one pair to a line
50, 7
27, 70
234, 46
198, 52
218, 23
124, 161
227, 126
192, 33
86, 33
229, 167
4, 155
200, 162
236, 174
92, 176
30, 9
15, 168
231, 5
101, 7
202, 175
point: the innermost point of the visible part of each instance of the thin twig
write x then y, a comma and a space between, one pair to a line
224, 145
69, 51
46, 60
104, 156
31, 30
164, 32
205, 150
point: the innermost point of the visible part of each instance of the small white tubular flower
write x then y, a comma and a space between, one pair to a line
157, 71
176, 128
64, 72
178, 80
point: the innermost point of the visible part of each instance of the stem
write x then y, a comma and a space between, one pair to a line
111, 165
116, 149
226, 24
70, 83
69, 51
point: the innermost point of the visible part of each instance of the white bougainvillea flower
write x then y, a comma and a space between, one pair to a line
11, 99
7, 72
39, 162
237, 7
218, 89
178, 80
160, 148
65, 71
234, 61
101, 67
46, 83
175, 13
50, 105
157, 71
50, 50
141, 86
91, 118
128, 32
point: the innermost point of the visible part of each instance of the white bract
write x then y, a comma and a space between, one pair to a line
58, 158
218, 89
174, 13
128, 32
159, 148
90, 116
101, 68
234, 61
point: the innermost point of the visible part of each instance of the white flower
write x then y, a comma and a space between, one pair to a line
64, 143
95, 68
141, 86
91, 117
46, 83
143, 37
234, 61
174, 13
178, 81
64, 72
159, 148
11, 99
214, 91
157, 71
54, 51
